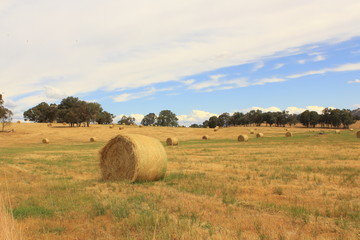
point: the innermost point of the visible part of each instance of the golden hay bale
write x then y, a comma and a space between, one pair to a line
18, 121
286, 129
337, 131
216, 129
243, 138
252, 132
121, 127
205, 137
351, 129
123, 124
111, 126
140, 126
92, 139
358, 134
64, 123
46, 141
172, 141
133, 157
259, 135
49, 125
207, 127
288, 134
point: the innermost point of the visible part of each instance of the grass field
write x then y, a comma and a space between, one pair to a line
302, 187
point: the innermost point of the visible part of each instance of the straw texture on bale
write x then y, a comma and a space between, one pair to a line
288, 134
337, 131
358, 134
216, 129
93, 139
259, 135
133, 157
172, 141
205, 137
243, 138
45, 140
251, 131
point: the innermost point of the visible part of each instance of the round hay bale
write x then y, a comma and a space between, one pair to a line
286, 129
351, 129
288, 134
207, 127
140, 126
49, 125
173, 141
216, 129
121, 127
259, 135
205, 137
337, 131
18, 121
64, 123
46, 141
111, 126
133, 157
123, 124
252, 132
243, 138
358, 134
92, 139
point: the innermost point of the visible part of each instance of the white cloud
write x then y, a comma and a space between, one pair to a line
106, 46
196, 116
131, 96
297, 110
341, 68
258, 66
356, 105
268, 80
54, 93
278, 66
138, 117
301, 61
354, 81
319, 58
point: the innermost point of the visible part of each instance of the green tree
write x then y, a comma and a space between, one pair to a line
213, 121
224, 120
42, 112
347, 118
127, 120
149, 119
104, 117
5, 117
167, 118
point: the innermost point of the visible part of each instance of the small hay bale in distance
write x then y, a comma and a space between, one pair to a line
216, 129
121, 127
111, 126
288, 134
133, 157
18, 121
172, 141
140, 126
259, 135
205, 137
243, 138
351, 129
337, 131
93, 139
358, 134
46, 141
252, 132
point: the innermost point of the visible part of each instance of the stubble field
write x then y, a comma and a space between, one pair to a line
302, 187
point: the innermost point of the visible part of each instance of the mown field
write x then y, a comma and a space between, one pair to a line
303, 187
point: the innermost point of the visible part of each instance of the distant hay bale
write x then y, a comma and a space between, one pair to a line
358, 134
207, 127
92, 139
123, 124
140, 126
288, 134
49, 125
111, 126
351, 129
173, 141
259, 135
64, 123
133, 157
121, 127
252, 132
205, 137
243, 138
46, 141
286, 129
216, 129
337, 131
18, 121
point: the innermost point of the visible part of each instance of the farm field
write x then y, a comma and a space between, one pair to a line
301, 187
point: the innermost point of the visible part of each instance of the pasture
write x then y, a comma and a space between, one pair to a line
275, 187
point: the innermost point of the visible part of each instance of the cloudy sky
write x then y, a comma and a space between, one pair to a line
197, 58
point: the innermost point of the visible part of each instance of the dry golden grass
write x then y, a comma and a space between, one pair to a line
303, 187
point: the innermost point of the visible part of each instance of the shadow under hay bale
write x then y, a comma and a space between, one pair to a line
243, 138
133, 157
173, 141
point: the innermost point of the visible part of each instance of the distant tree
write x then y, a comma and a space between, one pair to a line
309, 118
104, 117
5, 117
205, 124
224, 120
127, 120
213, 121
149, 119
236, 119
42, 112
347, 118
194, 125
167, 118
335, 117
269, 118
292, 120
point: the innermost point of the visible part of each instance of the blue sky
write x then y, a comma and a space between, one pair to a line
198, 58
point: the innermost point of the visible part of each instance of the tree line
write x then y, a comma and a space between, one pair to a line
329, 118
71, 110
5, 115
